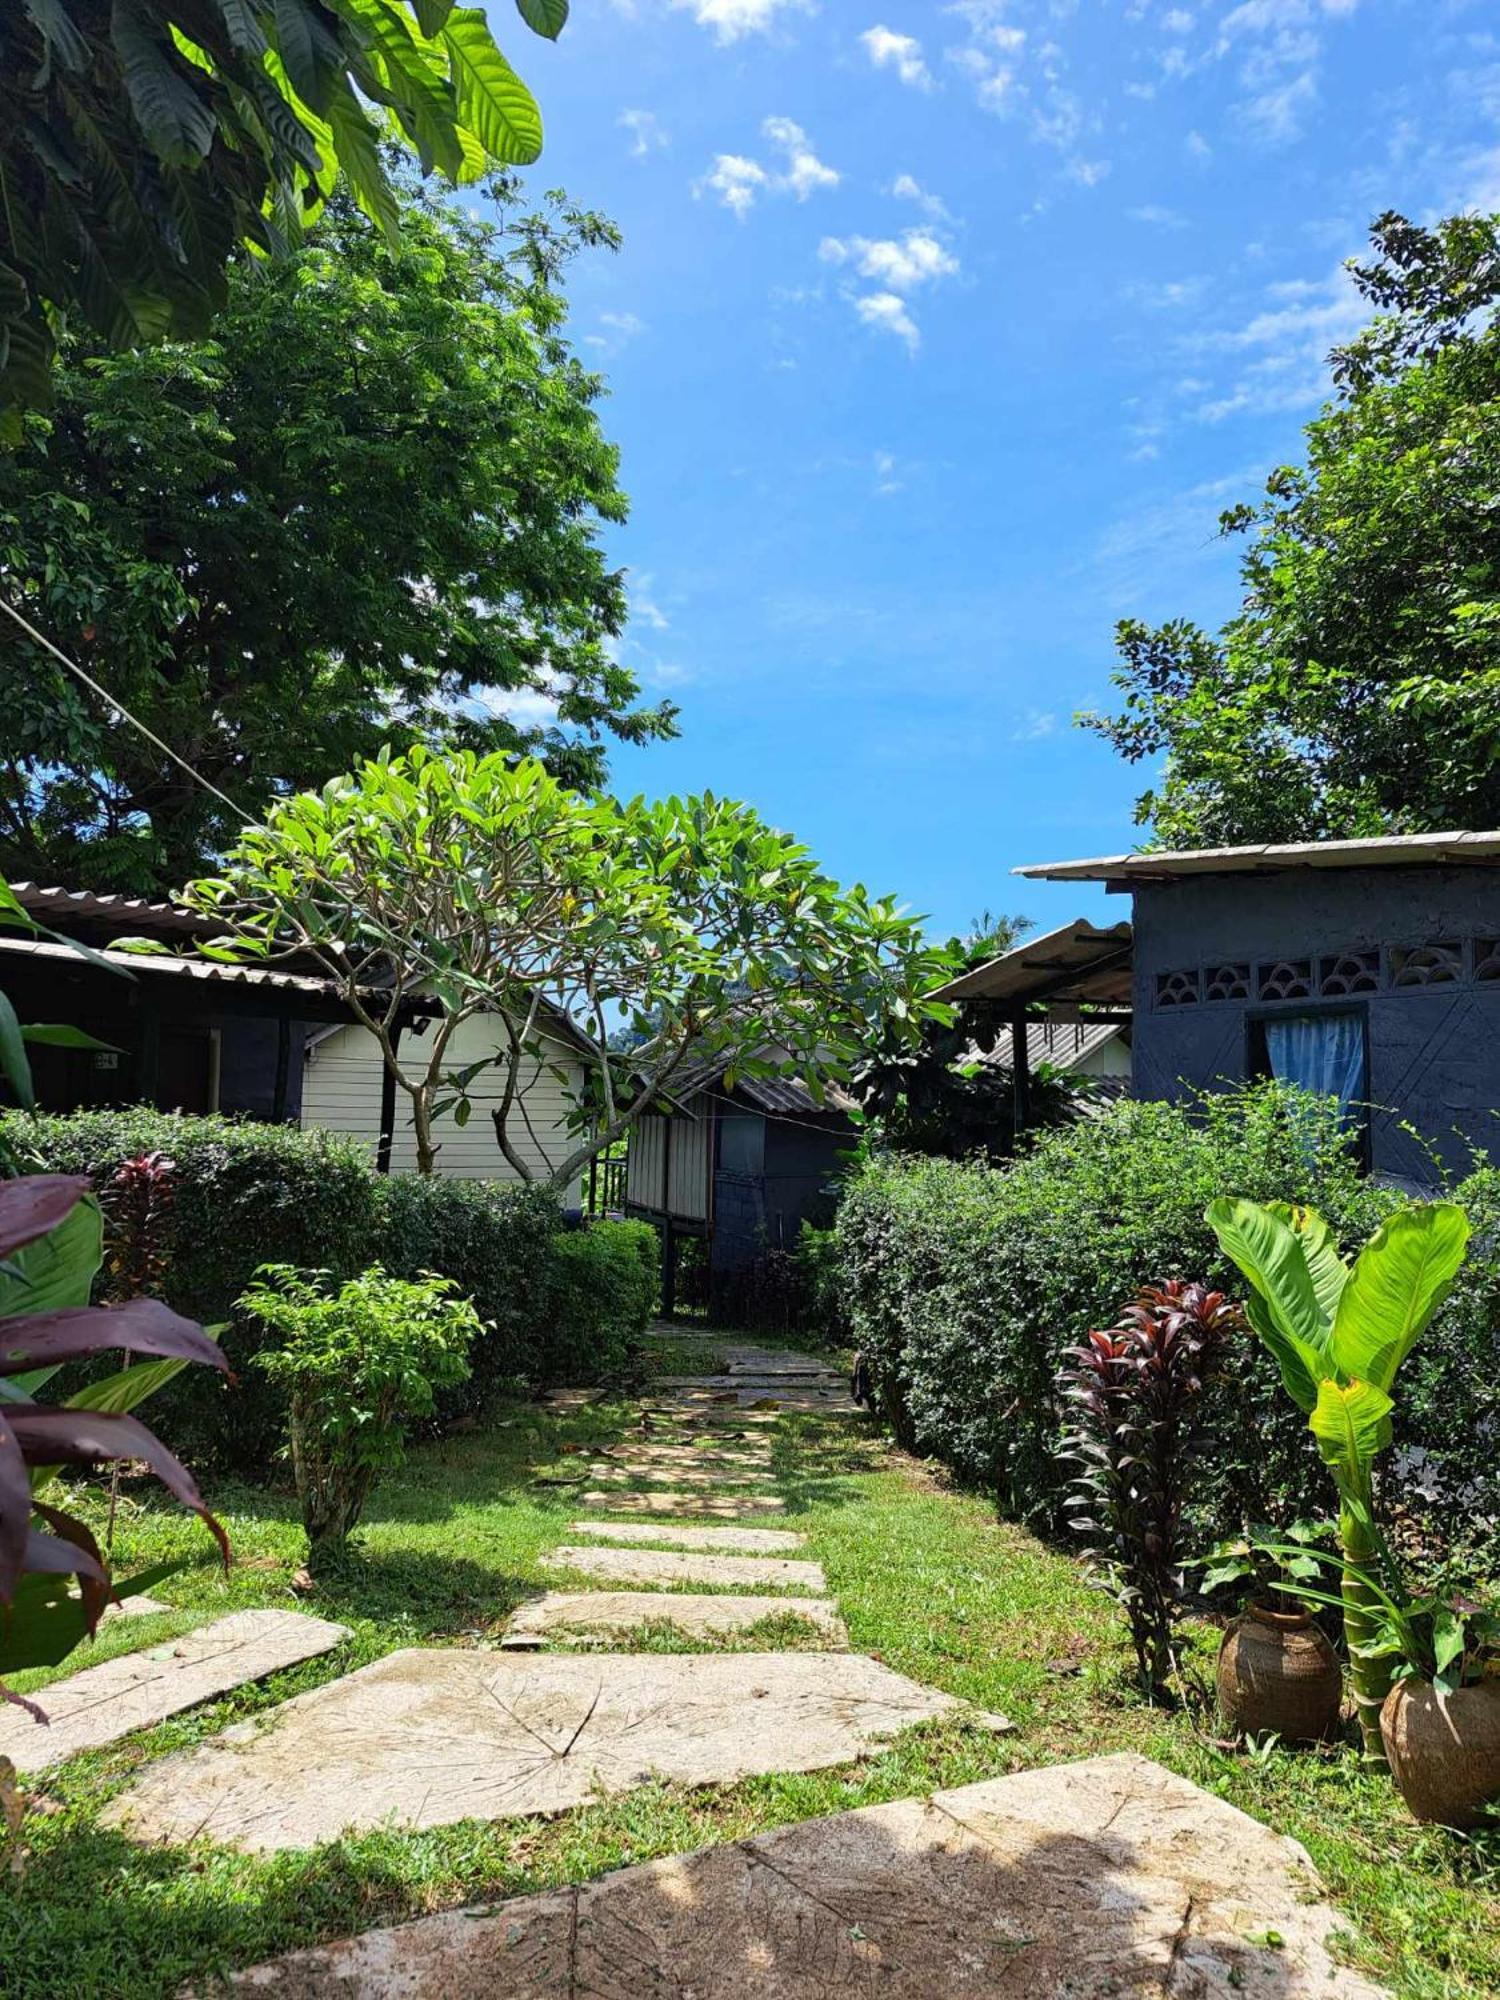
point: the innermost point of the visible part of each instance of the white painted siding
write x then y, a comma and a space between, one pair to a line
687, 1193
341, 1093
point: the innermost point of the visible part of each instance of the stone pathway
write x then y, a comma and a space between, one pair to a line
106, 1702
1109, 1879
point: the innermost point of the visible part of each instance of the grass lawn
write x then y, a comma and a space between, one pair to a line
927, 1580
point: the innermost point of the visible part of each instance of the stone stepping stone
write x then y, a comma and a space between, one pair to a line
743, 1541
668, 1567
106, 1702
1104, 1878
426, 1738
619, 1612
833, 1384
617, 1473
706, 1456
137, 1607
726, 1506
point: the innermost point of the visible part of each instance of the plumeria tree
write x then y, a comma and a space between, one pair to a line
481, 884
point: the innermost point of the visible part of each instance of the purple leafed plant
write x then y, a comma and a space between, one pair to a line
1134, 1391
43, 1255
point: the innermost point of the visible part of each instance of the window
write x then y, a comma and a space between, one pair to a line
1326, 1051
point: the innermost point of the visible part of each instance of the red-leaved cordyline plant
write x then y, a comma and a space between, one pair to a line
1134, 1389
42, 1547
137, 1200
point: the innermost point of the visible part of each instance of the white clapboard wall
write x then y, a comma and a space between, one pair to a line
341, 1093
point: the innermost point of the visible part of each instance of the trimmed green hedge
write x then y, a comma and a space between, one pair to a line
603, 1291
965, 1284
248, 1194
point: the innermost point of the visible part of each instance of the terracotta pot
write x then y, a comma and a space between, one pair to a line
1444, 1750
1278, 1671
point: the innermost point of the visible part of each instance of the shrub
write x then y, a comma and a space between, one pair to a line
965, 1284
494, 1239
243, 1195
247, 1194
601, 1297
357, 1362
1135, 1390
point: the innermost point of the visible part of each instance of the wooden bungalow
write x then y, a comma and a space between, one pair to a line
737, 1165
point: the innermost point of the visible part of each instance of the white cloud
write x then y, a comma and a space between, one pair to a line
1156, 216
1286, 345
732, 20
735, 180
902, 53
1169, 296
1177, 21
1035, 726
1197, 147
644, 609
917, 258
906, 188
645, 132
887, 311
805, 173
887, 480
1087, 173
1276, 114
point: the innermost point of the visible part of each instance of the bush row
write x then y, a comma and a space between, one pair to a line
965, 1284
557, 1306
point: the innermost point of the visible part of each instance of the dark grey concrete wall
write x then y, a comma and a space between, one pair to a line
754, 1213
1434, 1025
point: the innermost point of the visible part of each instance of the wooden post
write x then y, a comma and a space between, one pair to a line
148, 1055
1020, 1071
387, 1108
668, 1269
283, 1070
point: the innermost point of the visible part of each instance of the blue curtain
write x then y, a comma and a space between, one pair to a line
1321, 1052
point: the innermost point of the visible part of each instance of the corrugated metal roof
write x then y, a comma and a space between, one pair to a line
1077, 962
1404, 850
777, 1096
57, 902
1064, 1044
146, 964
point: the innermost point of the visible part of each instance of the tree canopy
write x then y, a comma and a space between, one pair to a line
1357, 689
367, 511
142, 141
487, 886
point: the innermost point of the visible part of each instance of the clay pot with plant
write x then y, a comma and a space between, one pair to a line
1439, 1651
1339, 1333
1278, 1673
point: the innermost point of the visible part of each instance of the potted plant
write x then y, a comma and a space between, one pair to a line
1439, 1650
1278, 1672
1339, 1334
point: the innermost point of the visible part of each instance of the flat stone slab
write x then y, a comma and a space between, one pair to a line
427, 1738
1105, 1880
726, 1507
738, 1378
744, 1541
137, 1607
623, 1471
708, 1452
620, 1612
106, 1702
667, 1567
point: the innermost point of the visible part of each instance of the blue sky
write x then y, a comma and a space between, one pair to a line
940, 336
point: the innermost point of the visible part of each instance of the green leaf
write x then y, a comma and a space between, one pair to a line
1399, 1280
492, 99
57, 1270
62, 1035
432, 16
1326, 1268
1284, 1308
175, 119
1447, 1637
544, 17
13, 1064
1352, 1423
122, 1391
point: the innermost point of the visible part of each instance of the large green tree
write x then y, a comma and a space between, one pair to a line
367, 511
141, 141
1357, 689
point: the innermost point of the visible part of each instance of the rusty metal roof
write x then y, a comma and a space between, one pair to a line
1079, 962
1402, 850
212, 971
56, 902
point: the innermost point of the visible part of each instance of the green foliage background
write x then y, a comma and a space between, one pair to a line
559, 1306
964, 1284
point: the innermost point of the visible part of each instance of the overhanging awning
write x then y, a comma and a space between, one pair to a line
1078, 965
